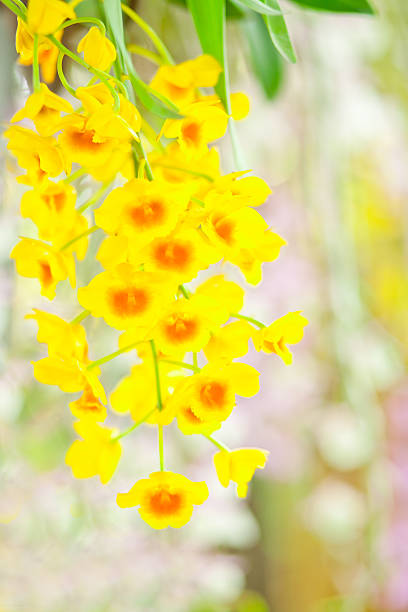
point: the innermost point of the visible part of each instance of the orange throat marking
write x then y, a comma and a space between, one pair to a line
163, 503
128, 302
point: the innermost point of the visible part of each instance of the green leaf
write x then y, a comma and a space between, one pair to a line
266, 61
279, 33
154, 102
209, 20
231, 11
338, 6
258, 6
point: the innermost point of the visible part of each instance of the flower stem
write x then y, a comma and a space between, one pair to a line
184, 292
19, 12
181, 364
217, 443
105, 77
186, 170
94, 199
134, 426
61, 75
36, 65
21, 6
85, 20
139, 149
197, 201
249, 319
73, 177
158, 43
150, 55
90, 230
157, 374
82, 315
161, 453
111, 356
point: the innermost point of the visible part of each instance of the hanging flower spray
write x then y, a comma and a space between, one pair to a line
165, 216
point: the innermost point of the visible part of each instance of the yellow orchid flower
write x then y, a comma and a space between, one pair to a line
180, 82
36, 259
166, 499
127, 297
99, 51
275, 338
97, 454
239, 466
206, 399
67, 361
44, 108
45, 16
39, 155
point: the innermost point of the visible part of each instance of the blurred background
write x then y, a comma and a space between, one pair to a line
325, 526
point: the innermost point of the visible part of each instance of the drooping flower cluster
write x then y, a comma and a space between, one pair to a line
165, 216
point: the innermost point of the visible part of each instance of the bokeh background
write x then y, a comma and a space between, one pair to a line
325, 526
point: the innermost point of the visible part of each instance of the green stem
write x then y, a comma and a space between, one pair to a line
79, 20
197, 201
90, 230
150, 55
140, 152
15, 9
157, 374
158, 43
73, 177
36, 65
195, 360
184, 292
217, 443
111, 356
181, 364
94, 199
186, 170
82, 315
61, 75
105, 77
161, 453
134, 426
249, 319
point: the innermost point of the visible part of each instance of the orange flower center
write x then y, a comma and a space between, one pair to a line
271, 346
172, 255
148, 214
181, 327
213, 394
55, 201
191, 133
128, 302
224, 229
164, 503
83, 140
45, 273
175, 91
191, 417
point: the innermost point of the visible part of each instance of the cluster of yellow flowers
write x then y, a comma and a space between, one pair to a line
168, 215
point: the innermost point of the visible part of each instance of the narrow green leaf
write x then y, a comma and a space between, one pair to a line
209, 20
154, 102
258, 6
266, 62
338, 6
232, 12
279, 33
